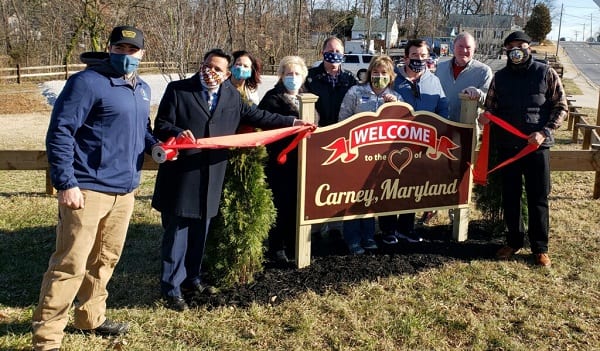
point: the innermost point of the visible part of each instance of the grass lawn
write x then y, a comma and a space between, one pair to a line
477, 304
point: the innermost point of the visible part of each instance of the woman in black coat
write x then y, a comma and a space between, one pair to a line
282, 178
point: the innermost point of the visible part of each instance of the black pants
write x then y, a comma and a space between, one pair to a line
535, 170
404, 223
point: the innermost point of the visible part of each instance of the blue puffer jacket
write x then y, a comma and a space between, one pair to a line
99, 130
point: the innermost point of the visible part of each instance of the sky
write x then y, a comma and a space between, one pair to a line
577, 16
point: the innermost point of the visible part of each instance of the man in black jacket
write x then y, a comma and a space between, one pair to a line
528, 95
330, 82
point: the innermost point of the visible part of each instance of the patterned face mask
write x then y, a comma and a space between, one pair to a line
333, 57
518, 55
380, 82
210, 78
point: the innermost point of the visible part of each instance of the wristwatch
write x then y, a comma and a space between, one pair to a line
547, 132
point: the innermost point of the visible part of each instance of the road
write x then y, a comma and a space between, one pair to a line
585, 57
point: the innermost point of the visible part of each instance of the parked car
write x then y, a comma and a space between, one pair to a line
355, 63
358, 64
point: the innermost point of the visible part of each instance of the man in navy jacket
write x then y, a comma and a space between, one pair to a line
99, 130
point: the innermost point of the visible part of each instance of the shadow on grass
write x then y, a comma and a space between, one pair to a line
25, 256
135, 282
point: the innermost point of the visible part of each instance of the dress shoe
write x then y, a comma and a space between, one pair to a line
542, 259
176, 303
505, 252
110, 328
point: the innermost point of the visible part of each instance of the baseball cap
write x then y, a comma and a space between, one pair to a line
518, 35
127, 35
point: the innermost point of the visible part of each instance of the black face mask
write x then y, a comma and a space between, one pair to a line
417, 65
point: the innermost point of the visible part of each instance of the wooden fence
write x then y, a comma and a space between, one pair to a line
578, 123
20, 74
560, 160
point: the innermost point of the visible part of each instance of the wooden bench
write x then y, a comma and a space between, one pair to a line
574, 119
587, 144
587, 130
571, 112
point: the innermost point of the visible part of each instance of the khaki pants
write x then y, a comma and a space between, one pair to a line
89, 242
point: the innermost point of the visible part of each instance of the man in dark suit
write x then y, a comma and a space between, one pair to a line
188, 190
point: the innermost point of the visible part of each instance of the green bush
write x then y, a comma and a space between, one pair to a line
235, 245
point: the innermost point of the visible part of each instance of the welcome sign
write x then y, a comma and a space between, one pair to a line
392, 161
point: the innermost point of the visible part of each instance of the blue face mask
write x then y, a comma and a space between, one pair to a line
292, 83
241, 73
333, 57
124, 64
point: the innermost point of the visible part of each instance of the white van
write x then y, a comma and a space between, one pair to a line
355, 63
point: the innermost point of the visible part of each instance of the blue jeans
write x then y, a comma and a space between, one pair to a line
357, 230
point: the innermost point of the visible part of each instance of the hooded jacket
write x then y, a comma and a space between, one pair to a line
99, 130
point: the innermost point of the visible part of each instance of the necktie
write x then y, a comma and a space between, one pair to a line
211, 98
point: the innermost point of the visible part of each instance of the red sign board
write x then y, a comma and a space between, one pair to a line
394, 160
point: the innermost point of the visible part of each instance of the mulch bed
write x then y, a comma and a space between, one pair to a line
332, 268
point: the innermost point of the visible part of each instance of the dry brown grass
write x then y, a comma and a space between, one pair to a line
22, 98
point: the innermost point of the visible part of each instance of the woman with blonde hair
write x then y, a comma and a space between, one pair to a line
374, 92
283, 99
368, 96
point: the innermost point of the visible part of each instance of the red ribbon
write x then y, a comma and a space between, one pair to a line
480, 171
237, 140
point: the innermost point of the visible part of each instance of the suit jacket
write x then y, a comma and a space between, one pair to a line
191, 185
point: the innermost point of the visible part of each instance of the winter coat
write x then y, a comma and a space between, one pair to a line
191, 185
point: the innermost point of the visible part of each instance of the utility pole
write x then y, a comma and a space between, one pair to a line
387, 42
559, 25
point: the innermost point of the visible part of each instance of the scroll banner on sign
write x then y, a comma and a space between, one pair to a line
390, 161
480, 171
167, 151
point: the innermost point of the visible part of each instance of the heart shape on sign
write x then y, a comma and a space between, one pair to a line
398, 161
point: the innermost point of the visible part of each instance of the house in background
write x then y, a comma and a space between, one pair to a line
386, 37
489, 30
